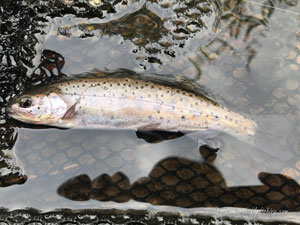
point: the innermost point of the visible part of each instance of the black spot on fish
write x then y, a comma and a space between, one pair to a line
126, 80
183, 118
158, 111
77, 86
159, 89
178, 91
152, 87
118, 84
191, 95
39, 107
161, 118
142, 87
110, 85
136, 87
162, 95
83, 85
104, 82
85, 81
124, 84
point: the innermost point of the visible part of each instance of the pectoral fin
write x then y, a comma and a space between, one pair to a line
70, 114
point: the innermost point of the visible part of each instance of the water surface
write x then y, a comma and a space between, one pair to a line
244, 53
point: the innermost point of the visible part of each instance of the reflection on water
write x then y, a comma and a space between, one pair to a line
248, 56
184, 183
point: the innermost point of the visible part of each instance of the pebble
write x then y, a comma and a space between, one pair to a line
114, 162
298, 59
59, 159
102, 153
128, 154
279, 93
294, 67
239, 72
294, 100
91, 143
74, 151
86, 159
281, 107
292, 55
237, 44
101, 167
39, 145
292, 85
63, 144
48, 151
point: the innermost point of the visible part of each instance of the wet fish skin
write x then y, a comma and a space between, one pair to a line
126, 103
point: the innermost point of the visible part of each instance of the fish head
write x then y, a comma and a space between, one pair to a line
38, 108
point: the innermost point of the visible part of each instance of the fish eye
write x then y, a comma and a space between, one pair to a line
25, 102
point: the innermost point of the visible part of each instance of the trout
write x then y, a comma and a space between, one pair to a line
126, 103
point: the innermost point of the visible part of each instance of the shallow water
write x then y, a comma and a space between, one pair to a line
248, 56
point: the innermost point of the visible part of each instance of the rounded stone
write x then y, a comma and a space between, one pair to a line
281, 107
86, 159
274, 195
170, 180
292, 85
244, 193
279, 93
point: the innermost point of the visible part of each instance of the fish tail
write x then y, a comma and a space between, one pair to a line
274, 135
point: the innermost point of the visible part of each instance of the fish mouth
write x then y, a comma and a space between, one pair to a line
16, 114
